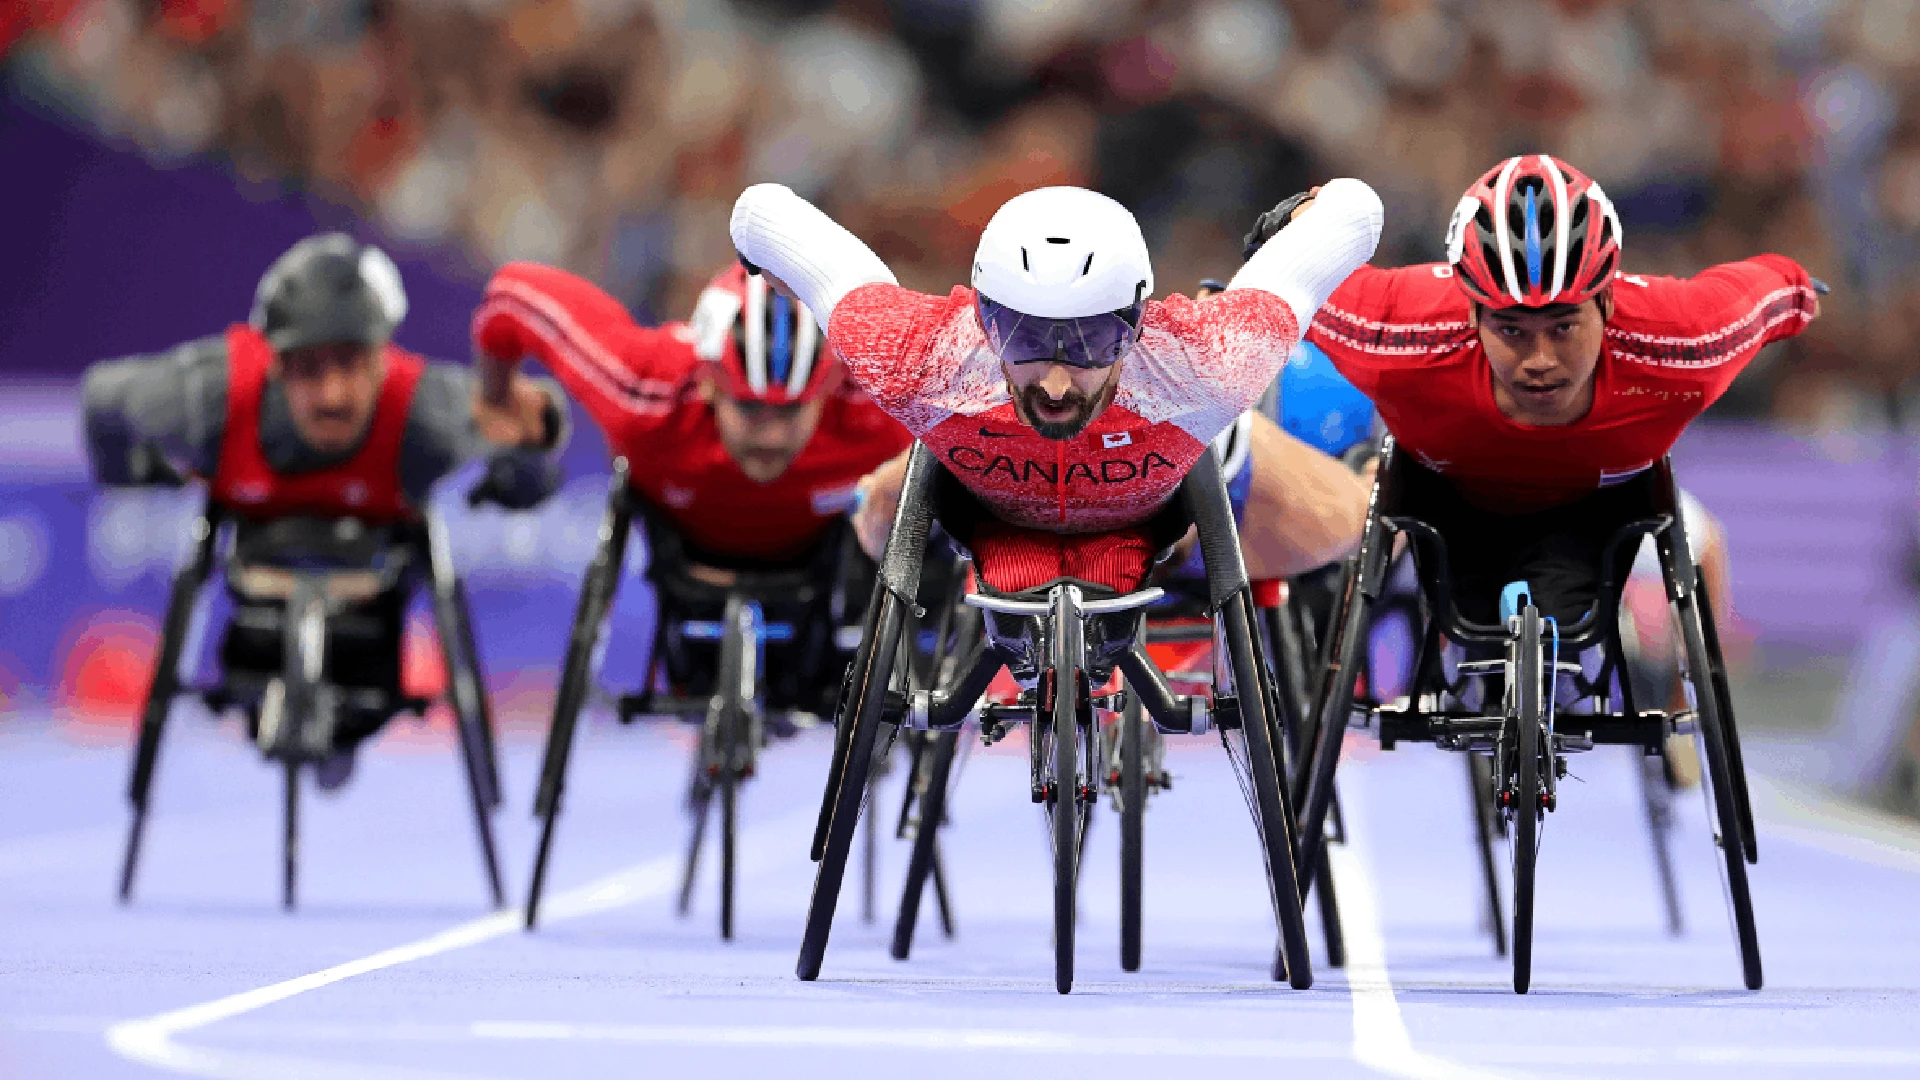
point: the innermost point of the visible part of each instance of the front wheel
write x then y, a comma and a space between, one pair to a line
1133, 823
1064, 810
1526, 792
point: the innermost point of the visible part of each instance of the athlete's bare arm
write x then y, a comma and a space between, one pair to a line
1304, 510
879, 499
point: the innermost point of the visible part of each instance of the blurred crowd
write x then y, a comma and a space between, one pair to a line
611, 136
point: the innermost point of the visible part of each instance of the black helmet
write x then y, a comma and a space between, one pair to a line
326, 289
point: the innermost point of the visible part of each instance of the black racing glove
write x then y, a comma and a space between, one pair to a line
517, 479
1271, 222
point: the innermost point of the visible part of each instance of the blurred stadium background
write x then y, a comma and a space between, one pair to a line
156, 154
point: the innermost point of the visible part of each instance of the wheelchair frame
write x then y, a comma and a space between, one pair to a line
1047, 638
1134, 765
1527, 751
305, 636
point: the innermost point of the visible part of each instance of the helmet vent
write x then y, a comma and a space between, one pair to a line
1058, 240
1087, 267
1023, 261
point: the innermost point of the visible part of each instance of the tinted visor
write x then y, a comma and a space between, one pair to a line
1090, 341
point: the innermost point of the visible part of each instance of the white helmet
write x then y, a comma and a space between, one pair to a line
1063, 253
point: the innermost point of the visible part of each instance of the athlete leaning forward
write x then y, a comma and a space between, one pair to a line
1532, 388
320, 442
743, 442
1060, 410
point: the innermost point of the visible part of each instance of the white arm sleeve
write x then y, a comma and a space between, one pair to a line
1308, 259
815, 255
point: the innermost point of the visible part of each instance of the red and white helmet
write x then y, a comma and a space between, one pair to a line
1533, 231
765, 347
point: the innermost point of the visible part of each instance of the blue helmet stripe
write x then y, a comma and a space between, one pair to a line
780, 352
1533, 240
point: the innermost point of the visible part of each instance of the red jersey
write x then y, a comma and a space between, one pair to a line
639, 386
366, 485
1672, 347
1197, 367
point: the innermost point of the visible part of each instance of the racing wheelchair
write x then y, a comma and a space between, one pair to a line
311, 654
1179, 638
747, 661
1502, 702
1062, 642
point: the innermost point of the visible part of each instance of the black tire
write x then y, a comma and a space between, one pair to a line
1273, 819
1065, 809
926, 838
1527, 688
290, 837
729, 802
862, 710
726, 731
1729, 727
843, 719
1719, 782
1332, 931
1133, 823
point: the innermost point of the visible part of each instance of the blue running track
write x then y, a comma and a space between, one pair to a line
394, 967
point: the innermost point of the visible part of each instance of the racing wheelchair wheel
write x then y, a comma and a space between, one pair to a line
1721, 785
863, 705
727, 737
862, 714
1525, 797
1067, 809
1133, 823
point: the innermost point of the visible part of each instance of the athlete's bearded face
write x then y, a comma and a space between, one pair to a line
1544, 359
1058, 400
332, 390
763, 439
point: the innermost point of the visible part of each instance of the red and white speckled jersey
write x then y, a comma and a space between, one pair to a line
1196, 367
638, 384
1672, 348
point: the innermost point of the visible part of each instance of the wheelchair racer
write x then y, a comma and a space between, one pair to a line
1068, 403
308, 410
1538, 379
745, 440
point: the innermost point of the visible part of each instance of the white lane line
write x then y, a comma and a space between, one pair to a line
1380, 1039
984, 1040
153, 1040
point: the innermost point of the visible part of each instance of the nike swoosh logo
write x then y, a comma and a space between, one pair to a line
986, 434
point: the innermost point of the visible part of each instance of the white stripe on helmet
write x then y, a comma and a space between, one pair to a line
753, 351
1561, 225
1505, 238
712, 322
1599, 198
805, 336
